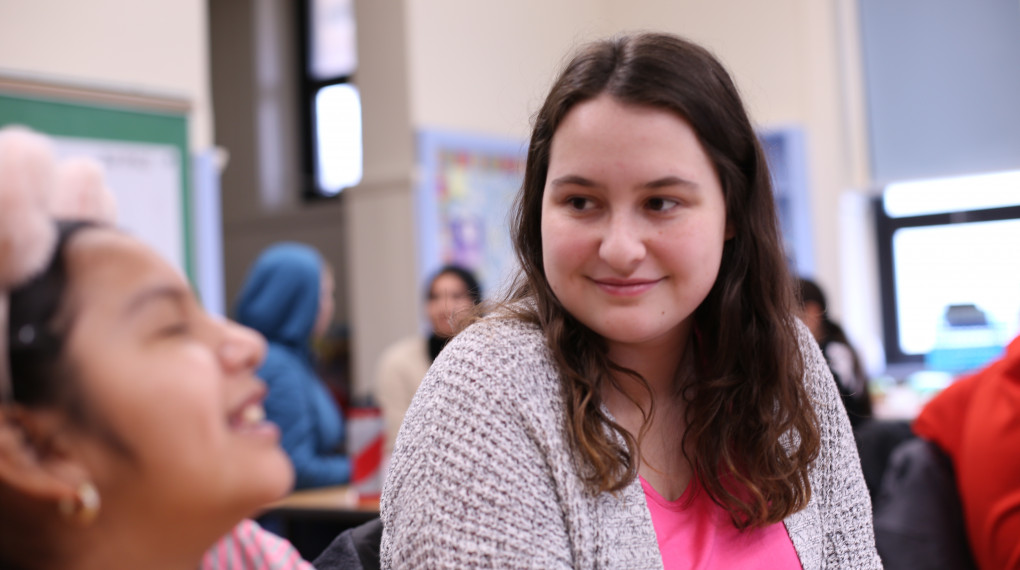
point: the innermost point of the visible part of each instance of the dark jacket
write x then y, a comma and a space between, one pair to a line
354, 549
280, 299
919, 522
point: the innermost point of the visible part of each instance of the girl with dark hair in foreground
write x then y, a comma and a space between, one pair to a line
132, 433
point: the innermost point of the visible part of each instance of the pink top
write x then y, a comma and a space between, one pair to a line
250, 547
700, 535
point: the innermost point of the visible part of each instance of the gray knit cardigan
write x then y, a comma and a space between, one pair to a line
482, 474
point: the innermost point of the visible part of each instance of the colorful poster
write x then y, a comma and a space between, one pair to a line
465, 196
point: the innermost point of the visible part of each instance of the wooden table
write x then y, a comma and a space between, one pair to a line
340, 503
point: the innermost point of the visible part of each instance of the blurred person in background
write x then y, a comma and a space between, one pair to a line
452, 292
288, 297
839, 353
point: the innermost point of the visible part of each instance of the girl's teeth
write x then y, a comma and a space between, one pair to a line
253, 414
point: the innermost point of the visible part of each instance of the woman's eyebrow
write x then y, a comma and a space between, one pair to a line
668, 181
573, 180
171, 293
664, 182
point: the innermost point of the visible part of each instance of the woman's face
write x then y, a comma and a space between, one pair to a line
633, 222
174, 384
449, 299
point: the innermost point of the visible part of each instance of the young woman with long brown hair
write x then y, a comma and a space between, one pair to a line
646, 398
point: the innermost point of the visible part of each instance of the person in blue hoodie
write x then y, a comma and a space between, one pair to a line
288, 297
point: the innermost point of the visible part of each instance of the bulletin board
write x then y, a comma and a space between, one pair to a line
140, 139
465, 195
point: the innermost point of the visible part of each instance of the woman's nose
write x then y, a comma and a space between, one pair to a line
623, 245
242, 348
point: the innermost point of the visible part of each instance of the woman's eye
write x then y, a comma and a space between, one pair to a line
661, 204
578, 203
175, 329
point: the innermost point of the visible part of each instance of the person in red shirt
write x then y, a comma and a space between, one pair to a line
976, 421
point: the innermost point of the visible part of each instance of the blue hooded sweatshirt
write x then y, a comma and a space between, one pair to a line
280, 299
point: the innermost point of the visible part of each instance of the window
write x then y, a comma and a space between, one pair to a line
331, 103
950, 277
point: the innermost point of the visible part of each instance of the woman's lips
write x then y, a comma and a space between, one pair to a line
625, 287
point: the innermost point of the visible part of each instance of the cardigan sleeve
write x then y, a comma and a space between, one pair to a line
401, 369
837, 483
468, 485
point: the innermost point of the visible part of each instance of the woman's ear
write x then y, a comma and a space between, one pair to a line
34, 455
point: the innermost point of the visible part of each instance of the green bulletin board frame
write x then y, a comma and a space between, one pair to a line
116, 121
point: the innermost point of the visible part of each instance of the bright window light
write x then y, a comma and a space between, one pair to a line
958, 194
939, 267
338, 137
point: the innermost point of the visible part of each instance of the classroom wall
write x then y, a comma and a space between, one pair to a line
380, 238
484, 68
154, 46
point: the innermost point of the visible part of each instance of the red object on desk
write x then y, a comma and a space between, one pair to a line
365, 445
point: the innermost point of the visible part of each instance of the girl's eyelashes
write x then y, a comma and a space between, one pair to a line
172, 321
178, 328
579, 203
656, 203
660, 204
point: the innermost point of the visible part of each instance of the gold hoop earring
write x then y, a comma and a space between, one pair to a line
83, 507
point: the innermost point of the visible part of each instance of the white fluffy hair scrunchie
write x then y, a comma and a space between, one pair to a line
36, 190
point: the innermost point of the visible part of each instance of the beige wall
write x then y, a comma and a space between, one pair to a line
156, 45
379, 213
484, 67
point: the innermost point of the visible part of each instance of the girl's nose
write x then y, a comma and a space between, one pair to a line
242, 348
623, 246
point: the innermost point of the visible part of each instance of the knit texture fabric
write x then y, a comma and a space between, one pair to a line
482, 475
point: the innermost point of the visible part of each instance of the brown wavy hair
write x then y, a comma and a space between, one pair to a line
749, 419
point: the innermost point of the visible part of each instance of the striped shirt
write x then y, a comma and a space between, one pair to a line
249, 547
